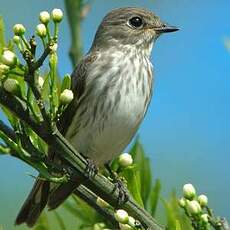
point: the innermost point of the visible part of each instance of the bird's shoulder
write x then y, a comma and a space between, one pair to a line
79, 75
78, 78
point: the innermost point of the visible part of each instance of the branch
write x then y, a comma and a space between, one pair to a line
90, 198
82, 192
30, 75
99, 185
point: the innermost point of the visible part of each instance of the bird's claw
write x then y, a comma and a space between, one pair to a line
91, 169
118, 185
122, 192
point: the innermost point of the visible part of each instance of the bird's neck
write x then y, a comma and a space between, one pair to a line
141, 48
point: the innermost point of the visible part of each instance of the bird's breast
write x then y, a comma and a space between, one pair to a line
119, 91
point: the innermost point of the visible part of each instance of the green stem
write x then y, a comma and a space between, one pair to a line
29, 104
19, 152
16, 73
53, 89
23, 154
25, 42
74, 10
43, 42
56, 30
48, 32
4, 150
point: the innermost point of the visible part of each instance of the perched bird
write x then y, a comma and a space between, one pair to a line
112, 85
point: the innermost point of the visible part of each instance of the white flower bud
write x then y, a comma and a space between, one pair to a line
19, 29
121, 216
57, 15
41, 30
204, 218
53, 48
125, 227
11, 86
3, 69
66, 96
40, 81
194, 207
98, 226
125, 160
44, 17
130, 225
16, 39
9, 58
182, 202
102, 203
132, 221
203, 200
189, 191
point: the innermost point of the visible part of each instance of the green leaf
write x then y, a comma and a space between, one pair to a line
136, 149
42, 223
59, 220
10, 116
4, 149
132, 176
42, 146
79, 208
10, 45
154, 197
85, 212
70, 208
2, 39
66, 82
21, 81
146, 179
174, 214
45, 88
144, 167
178, 227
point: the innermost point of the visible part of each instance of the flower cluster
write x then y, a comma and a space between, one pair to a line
11, 68
196, 208
8, 63
126, 222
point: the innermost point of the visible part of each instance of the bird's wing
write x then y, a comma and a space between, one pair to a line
79, 77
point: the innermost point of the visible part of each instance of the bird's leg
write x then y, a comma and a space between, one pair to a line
91, 168
118, 185
112, 174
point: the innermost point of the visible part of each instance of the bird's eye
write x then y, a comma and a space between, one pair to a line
136, 22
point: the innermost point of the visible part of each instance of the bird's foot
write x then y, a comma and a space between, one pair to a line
118, 186
122, 192
91, 169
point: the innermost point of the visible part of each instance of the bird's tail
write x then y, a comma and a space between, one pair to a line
59, 195
34, 204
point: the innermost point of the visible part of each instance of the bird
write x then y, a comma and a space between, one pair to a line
112, 87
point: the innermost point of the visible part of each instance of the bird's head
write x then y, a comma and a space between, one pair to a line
130, 26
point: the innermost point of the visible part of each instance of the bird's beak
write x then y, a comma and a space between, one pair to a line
166, 29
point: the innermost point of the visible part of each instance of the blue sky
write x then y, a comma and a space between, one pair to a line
186, 130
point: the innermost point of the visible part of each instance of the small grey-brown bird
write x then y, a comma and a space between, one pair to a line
112, 85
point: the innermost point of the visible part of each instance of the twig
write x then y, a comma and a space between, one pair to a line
7, 130
41, 60
90, 198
